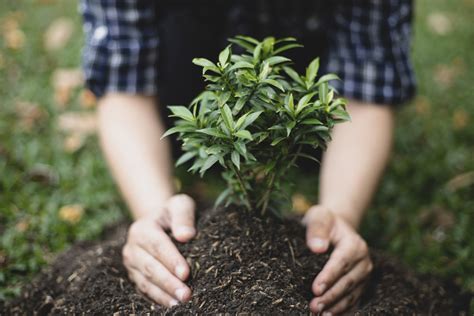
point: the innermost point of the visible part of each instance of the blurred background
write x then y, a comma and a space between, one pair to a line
55, 188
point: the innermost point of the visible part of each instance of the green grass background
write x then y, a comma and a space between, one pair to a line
416, 215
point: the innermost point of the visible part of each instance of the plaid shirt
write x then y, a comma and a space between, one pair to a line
369, 48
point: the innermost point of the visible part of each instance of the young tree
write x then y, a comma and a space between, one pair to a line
256, 116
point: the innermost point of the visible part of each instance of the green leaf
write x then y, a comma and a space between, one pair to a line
222, 196
293, 75
248, 39
277, 141
239, 104
177, 129
252, 117
181, 112
243, 133
312, 121
203, 62
330, 95
242, 65
212, 132
341, 114
285, 39
241, 148
304, 101
241, 121
274, 83
226, 114
224, 56
309, 157
187, 156
312, 72
265, 71
257, 52
286, 47
235, 157
291, 103
289, 127
327, 78
208, 163
267, 44
323, 93
275, 60
248, 47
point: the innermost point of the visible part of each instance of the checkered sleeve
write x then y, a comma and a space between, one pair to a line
121, 46
370, 50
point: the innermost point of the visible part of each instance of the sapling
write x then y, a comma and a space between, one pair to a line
255, 118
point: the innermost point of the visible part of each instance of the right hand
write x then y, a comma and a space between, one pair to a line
153, 262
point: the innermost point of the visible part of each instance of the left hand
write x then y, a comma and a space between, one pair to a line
340, 284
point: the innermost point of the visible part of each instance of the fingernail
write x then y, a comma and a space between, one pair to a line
322, 287
327, 314
180, 272
185, 231
320, 307
318, 244
180, 294
173, 302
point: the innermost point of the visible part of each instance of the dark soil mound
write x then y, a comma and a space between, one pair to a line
239, 264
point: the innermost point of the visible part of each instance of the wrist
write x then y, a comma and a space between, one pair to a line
346, 214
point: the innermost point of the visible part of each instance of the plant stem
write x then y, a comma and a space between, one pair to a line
242, 187
266, 196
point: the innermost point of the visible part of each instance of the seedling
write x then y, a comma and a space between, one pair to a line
256, 116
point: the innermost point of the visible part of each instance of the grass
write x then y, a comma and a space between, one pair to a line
419, 214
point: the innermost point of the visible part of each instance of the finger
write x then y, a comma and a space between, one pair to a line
345, 285
319, 222
347, 253
346, 302
181, 209
152, 291
159, 245
156, 273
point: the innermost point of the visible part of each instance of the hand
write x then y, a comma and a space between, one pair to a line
153, 262
341, 282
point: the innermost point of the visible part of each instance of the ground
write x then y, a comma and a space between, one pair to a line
55, 189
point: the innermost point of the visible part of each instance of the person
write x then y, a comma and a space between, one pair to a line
138, 53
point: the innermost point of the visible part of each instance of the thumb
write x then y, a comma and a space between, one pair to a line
181, 209
319, 222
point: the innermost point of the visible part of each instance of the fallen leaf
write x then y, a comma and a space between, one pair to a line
64, 80
422, 105
58, 34
29, 114
460, 119
300, 203
22, 225
74, 142
444, 75
9, 23
71, 214
83, 123
437, 216
12, 34
62, 96
439, 23
14, 39
87, 99
460, 181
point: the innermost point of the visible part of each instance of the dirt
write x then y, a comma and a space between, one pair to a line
240, 264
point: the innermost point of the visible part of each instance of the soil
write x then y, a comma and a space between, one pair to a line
240, 264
